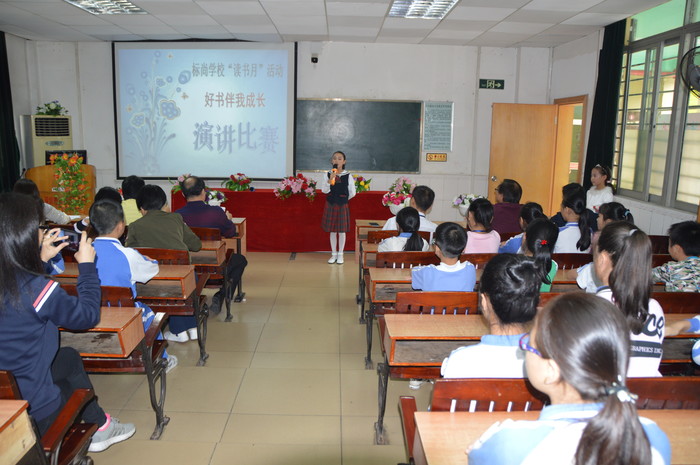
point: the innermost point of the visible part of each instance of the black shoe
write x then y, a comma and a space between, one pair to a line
215, 306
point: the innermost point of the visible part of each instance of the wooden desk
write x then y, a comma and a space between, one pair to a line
17, 438
240, 239
361, 228
443, 437
117, 334
416, 345
211, 253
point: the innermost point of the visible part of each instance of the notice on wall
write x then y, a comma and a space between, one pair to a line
437, 126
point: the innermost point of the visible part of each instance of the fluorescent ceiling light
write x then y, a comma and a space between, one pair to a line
421, 9
108, 7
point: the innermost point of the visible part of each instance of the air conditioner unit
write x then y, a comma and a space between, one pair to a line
46, 133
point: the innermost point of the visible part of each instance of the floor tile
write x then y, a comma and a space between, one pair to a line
308, 361
282, 429
139, 451
308, 336
183, 426
267, 454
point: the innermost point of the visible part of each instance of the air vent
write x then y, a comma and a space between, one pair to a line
51, 127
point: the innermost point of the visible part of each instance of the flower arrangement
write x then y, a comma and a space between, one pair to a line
238, 182
399, 192
298, 184
215, 198
176, 184
52, 108
465, 199
361, 184
72, 193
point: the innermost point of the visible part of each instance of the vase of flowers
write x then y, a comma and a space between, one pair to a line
215, 198
238, 182
399, 195
361, 184
72, 185
298, 184
52, 108
176, 184
462, 202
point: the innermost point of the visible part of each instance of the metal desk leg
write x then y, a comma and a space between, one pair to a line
369, 323
383, 384
154, 372
226, 292
360, 281
201, 315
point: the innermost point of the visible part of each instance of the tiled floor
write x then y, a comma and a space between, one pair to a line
285, 382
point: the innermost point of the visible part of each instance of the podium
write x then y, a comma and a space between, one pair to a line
43, 177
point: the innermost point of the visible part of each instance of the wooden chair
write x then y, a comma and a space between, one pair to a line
659, 244
672, 392
479, 260
489, 395
147, 358
659, 259
207, 234
506, 236
196, 305
405, 259
568, 261
678, 302
437, 303
378, 235
67, 440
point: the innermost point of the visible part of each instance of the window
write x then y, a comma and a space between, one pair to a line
657, 154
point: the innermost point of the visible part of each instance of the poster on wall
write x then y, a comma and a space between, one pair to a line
437, 126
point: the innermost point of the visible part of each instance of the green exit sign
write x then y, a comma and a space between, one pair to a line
492, 84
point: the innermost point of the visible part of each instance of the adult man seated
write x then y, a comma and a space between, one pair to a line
198, 214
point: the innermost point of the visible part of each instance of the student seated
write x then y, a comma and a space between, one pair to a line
577, 354
481, 237
197, 214
622, 260
408, 239
506, 211
575, 235
161, 229
51, 213
422, 199
118, 265
450, 274
33, 307
508, 296
683, 274
538, 242
568, 190
529, 212
131, 186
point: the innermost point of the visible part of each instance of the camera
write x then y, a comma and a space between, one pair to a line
314, 58
72, 237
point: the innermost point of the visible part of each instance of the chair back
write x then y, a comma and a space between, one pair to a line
678, 302
166, 256
8, 386
437, 303
405, 259
479, 260
486, 395
545, 297
568, 261
112, 296
375, 236
672, 392
659, 244
207, 234
659, 259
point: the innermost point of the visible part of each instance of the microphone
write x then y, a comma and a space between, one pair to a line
334, 172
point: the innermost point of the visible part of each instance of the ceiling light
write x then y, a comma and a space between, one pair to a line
108, 7
421, 9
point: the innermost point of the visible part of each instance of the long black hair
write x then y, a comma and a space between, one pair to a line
577, 203
409, 222
483, 212
615, 211
540, 238
588, 339
512, 285
531, 211
630, 279
20, 218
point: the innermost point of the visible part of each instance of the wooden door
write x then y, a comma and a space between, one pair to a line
523, 143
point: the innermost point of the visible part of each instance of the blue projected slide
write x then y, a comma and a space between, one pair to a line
210, 109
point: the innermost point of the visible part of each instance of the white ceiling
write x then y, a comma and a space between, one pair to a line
498, 23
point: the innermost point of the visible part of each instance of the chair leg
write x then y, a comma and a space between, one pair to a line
383, 385
155, 371
201, 314
369, 323
226, 291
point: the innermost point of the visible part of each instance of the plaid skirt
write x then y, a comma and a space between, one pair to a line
336, 218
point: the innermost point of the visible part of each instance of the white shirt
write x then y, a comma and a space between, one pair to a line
569, 234
597, 197
326, 185
397, 243
494, 357
425, 224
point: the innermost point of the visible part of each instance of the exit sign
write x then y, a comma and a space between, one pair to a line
498, 84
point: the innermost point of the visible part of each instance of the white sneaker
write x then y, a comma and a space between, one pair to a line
114, 433
415, 384
334, 257
340, 260
192, 334
172, 363
179, 337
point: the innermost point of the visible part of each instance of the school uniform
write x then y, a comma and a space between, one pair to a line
482, 242
496, 356
336, 214
512, 245
425, 224
646, 347
397, 243
552, 273
458, 277
553, 438
569, 235
597, 197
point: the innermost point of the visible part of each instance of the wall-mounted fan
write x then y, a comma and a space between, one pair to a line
690, 70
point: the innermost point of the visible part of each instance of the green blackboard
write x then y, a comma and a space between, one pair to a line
375, 135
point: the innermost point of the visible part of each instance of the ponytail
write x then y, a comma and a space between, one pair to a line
540, 237
615, 211
577, 203
408, 220
630, 279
